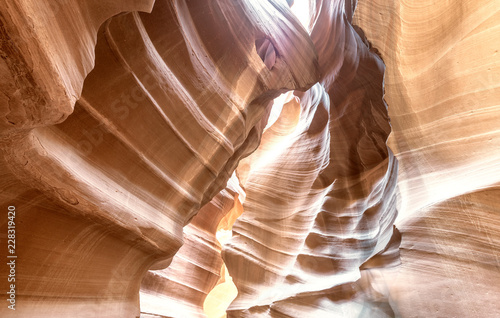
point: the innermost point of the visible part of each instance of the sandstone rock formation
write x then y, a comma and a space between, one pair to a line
320, 188
140, 154
181, 289
178, 158
442, 86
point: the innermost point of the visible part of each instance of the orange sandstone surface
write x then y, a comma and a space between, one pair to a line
249, 158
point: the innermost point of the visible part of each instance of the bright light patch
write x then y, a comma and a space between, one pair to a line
301, 10
278, 103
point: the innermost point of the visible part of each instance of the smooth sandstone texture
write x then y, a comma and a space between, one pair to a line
47, 51
135, 135
181, 289
450, 261
161, 123
443, 86
320, 188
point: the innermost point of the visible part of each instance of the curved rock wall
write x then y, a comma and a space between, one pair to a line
181, 289
320, 188
121, 123
450, 260
160, 126
442, 85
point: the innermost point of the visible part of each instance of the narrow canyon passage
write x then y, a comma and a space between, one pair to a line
249, 158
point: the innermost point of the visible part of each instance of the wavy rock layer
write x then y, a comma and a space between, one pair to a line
47, 51
442, 83
450, 260
162, 121
181, 289
320, 188
121, 123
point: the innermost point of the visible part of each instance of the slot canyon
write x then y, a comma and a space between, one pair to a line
250, 158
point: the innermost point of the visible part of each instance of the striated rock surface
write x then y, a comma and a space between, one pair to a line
442, 85
47, 51
181, 289
160, 126
450, 261
320, 188
136, 136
